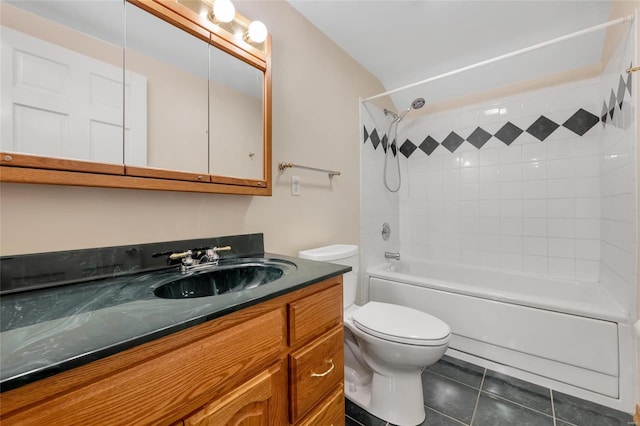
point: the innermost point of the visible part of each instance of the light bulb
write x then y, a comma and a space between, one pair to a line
224, 10
257, 32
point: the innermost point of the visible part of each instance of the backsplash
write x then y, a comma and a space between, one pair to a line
41, 270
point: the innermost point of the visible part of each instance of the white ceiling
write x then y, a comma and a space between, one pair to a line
402, 42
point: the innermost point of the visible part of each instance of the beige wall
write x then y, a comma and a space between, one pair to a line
315, 122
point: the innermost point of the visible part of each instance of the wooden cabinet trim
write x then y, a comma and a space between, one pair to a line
59, 177
238, 181
10, 159
152, 172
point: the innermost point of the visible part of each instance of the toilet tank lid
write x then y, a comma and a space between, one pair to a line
328, 253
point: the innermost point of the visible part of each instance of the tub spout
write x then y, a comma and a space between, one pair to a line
392, 255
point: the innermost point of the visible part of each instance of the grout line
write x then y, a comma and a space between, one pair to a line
447, 416
351, 418
454, 380
475, 407
553, 407
520, 405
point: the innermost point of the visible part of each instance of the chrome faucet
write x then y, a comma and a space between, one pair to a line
211, 255
392, 255
188, 261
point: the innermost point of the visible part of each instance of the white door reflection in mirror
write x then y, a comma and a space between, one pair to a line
236, 117
59, 98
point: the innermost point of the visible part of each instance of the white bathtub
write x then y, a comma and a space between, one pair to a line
564, 334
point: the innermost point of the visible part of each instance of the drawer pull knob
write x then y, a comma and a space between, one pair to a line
326, 372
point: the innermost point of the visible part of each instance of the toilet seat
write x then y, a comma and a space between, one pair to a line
401, 324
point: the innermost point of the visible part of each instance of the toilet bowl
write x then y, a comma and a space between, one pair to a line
386, 347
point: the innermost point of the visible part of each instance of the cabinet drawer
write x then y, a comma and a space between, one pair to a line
329, 413
315, 314
314, 371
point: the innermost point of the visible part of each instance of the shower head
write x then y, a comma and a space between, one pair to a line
416, 104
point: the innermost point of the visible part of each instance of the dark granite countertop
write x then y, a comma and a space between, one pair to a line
49, 330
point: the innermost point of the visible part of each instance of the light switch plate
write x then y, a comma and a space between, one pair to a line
295, 185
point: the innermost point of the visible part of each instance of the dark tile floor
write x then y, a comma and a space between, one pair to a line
459, 393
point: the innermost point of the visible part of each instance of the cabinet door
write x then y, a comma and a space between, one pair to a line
253, 403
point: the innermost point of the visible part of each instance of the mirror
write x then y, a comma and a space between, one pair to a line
166, 95
235, 117
135, 93
62, 79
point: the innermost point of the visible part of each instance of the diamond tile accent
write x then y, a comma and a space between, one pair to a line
407, 148
479, 137
612, 103
452, 141
508, 133
581, 122
542, 128
621, 89
375, 139
428, 145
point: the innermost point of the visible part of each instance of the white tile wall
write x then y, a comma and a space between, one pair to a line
509, 207
377, 205
618, 204
564, 207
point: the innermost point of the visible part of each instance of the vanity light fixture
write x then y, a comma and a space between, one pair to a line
257, 32
223, 11
223, 14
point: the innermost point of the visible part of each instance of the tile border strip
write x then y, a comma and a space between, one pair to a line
579, 123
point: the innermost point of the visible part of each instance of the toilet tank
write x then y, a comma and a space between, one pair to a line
342, 254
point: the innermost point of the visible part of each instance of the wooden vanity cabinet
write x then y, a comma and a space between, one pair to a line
276, 363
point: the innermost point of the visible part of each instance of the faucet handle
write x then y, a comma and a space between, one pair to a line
212, 253
182, 255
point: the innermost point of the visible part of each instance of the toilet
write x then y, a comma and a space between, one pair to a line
386, 347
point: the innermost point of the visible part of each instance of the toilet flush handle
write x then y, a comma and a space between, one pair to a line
326, 372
